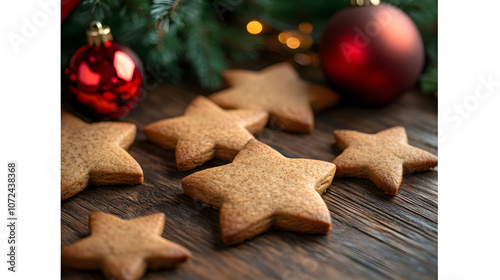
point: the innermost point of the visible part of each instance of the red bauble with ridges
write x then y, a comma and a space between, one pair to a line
371, 53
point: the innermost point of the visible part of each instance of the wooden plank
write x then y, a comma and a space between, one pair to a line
374, 235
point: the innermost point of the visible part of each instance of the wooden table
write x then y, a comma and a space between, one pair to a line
373, 236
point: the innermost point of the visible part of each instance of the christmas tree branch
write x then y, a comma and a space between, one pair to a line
162, 11
99, 8
204, 50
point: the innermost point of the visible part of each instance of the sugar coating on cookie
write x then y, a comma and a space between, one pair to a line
261, 189
278, 90
124, 249
95, 154
382, 157
206, 131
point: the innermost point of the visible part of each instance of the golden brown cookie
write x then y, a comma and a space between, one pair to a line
206, 131
261, 189
94, 154
278, 90
381, 157
124, 249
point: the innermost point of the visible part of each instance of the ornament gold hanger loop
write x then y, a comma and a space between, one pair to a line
96, 23
364, 2
99, 35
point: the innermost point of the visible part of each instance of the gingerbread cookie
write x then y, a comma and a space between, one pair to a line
278, 90
95, 154
381, 157
261, 189
124, 249
206, 131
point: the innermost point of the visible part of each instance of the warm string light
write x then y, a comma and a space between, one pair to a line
254, 27
283, 36
306, 27
293, 43
294, 39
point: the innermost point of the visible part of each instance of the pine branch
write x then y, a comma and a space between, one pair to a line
136, 9
205, 53
99, 8
171, 15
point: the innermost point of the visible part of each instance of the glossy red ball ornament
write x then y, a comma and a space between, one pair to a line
104, 79
372, 53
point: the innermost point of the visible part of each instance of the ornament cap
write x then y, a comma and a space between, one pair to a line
364, 2
98, 34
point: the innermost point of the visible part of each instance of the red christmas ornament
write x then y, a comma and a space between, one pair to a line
372, 52
104, 78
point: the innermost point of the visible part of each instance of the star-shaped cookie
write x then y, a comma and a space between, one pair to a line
261, 189
124, 249
94, 154
382, 157
278, 90
206, 131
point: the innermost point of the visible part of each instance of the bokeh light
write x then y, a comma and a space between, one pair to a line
305, 27
283, 36
254, 27
293, 43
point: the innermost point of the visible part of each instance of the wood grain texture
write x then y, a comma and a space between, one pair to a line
373, 236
